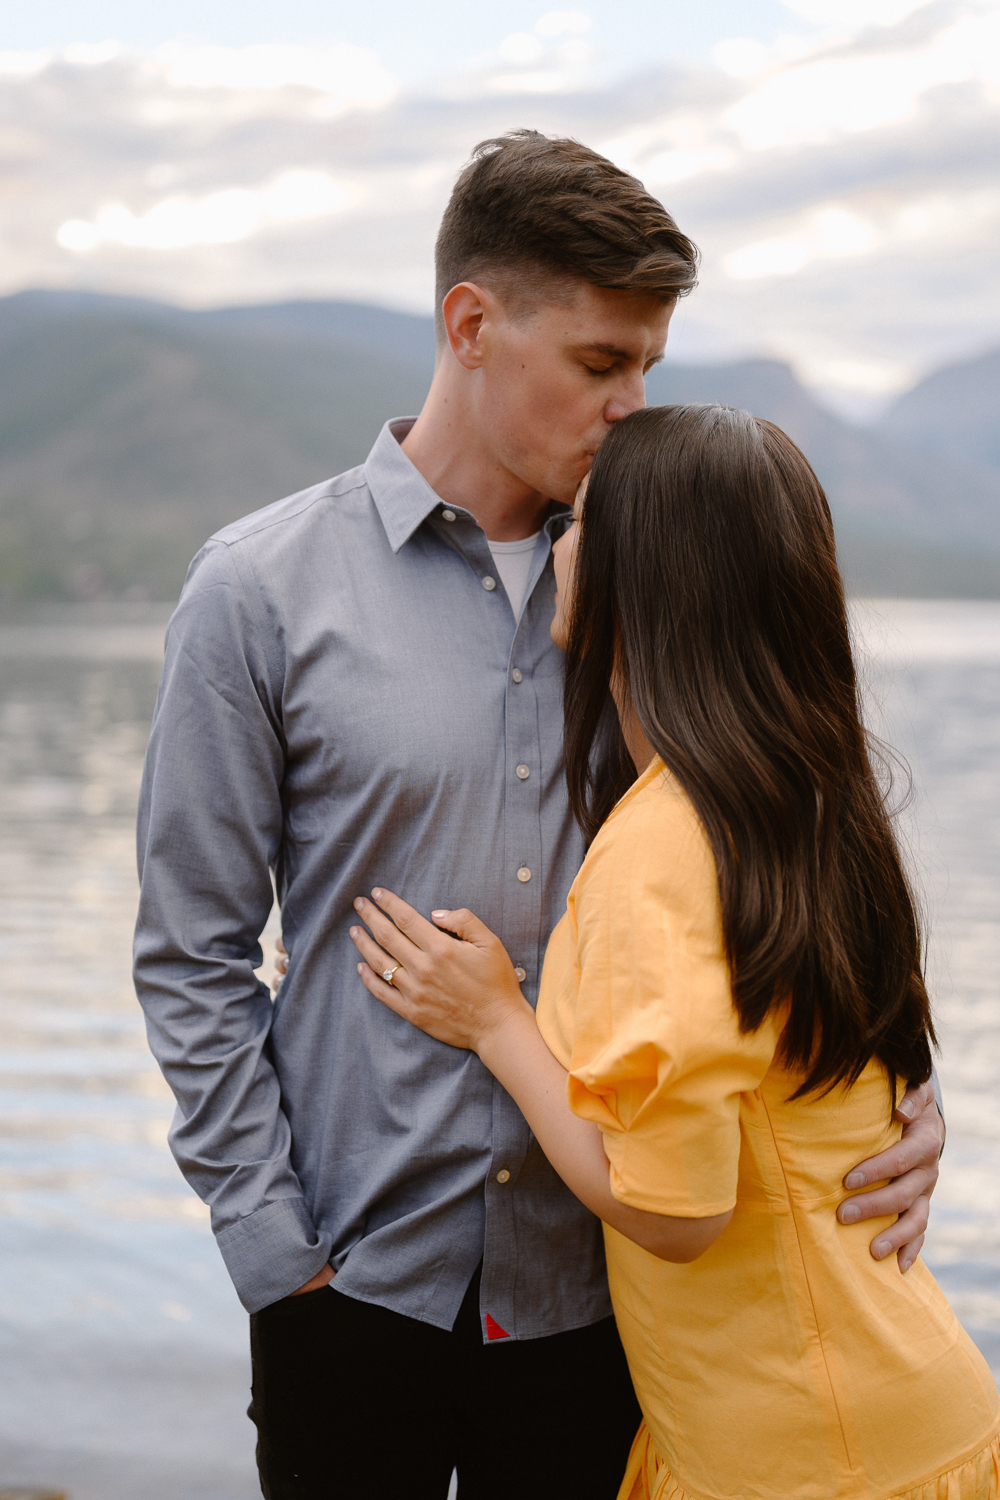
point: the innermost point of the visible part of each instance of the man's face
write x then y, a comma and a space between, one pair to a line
552, 382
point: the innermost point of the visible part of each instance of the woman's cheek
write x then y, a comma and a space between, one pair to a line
557, 629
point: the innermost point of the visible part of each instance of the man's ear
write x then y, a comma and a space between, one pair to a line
463, 311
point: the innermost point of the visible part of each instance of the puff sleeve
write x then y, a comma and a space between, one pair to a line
637, 1004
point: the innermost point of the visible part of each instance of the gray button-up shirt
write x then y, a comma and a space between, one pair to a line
347, 700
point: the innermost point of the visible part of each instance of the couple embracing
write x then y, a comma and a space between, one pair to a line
604, 994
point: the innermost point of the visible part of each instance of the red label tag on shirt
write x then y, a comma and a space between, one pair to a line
493, 1329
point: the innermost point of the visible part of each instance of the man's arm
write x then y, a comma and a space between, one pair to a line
912, 1169
210, 824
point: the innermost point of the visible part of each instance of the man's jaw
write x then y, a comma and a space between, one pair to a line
562, 482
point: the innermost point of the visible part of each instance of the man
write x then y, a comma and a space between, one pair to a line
360, 688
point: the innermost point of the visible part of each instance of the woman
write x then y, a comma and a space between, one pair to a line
734, 997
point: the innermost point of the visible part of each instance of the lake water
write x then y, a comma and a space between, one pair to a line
123, 1349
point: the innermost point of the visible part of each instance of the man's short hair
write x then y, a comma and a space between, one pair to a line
529, 210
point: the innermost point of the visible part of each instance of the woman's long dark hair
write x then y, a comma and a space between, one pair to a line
707, 580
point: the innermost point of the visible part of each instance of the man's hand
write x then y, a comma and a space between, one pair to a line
912, 1166
280, 964
322, 1278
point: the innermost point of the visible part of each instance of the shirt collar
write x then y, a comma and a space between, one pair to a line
402, 496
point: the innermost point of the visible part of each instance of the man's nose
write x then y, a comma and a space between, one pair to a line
629, 396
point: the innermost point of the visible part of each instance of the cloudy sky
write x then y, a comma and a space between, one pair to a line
835, 159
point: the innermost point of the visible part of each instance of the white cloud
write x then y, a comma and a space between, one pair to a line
531, 65
740, 56
842, 188
854, 13
852, 94
668, 167
522, 49
912, 227
557, 22
576, 54
23, 64
92, 54
221, 218
671, 148
353, 75
830, 232
548, 81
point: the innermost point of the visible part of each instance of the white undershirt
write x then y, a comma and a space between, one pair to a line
513, 560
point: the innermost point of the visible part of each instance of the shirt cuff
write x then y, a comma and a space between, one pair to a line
936, 1086
273, 1252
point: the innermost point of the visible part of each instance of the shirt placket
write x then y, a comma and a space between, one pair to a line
524, 886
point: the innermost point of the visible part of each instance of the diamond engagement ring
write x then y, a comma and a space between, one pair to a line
388, 973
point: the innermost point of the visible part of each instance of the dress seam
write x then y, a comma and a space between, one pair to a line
808, 1283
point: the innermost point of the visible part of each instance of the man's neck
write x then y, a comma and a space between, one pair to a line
444, 445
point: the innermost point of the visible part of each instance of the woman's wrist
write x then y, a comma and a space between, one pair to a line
498, 1045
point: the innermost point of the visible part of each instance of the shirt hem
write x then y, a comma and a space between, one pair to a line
373, 1300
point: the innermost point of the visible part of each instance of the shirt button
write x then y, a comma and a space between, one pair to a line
522, 773
503, 1176
516, 674
448, 515
522, 974
489, 584
524, 874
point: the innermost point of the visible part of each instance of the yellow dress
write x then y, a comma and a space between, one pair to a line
785, 1363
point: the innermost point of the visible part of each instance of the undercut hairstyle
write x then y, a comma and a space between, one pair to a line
706, 579
530, 211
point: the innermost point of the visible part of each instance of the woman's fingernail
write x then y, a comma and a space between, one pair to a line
436, 914
907, 1108
378, 894
907, 1264
353, 931
850, 1213
882, 1248
359, 903
855, 1180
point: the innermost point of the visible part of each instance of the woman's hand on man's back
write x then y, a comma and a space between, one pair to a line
912, 1169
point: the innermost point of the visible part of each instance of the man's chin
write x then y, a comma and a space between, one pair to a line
561, 486
565, 493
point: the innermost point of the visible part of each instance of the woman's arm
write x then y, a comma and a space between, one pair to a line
467, 994
515, 1052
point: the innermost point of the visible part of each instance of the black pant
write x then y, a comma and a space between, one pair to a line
353, 1400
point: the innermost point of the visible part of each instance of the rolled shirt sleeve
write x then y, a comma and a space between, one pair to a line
638, 1003
210, 825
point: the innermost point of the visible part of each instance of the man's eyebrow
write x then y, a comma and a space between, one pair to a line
613, 352
609, 349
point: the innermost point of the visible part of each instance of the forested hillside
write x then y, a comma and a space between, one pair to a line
131, 430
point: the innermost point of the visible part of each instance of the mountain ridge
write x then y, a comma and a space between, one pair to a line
954, 411
131, 430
